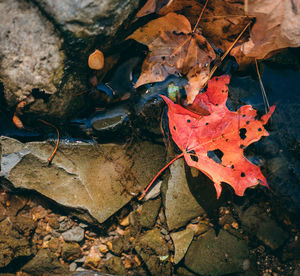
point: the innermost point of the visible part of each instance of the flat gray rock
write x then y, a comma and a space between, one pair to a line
216, 255
99, 179
180, 205
181, 240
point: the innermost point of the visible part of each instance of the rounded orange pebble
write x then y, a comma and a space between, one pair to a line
96, 60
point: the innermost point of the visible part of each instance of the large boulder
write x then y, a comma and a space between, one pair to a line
31, 55
89, 17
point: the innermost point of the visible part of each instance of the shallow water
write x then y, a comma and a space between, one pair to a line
278, 154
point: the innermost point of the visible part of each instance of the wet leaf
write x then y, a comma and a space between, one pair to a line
220, 24
277, 26
215, 144
174, 49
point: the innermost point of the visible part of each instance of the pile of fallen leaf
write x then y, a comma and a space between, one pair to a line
180, 40
183, 41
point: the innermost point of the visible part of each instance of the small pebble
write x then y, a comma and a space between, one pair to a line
235, 225
246, 264
62, 218
72, 266
120, 231
131, 239
75, 234
109, 245
127, 263
137, 260
81, 260
162, 217
154, 192
195, 220
83, 225
125, 221
47, 237
103, 248
93, 258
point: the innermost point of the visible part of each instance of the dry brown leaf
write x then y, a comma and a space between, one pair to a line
221, 22
174, 49
277, 26
152, 6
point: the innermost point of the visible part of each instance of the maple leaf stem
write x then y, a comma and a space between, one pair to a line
199, 18
57, 142
158, 174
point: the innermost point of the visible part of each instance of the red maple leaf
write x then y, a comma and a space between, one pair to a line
214, 144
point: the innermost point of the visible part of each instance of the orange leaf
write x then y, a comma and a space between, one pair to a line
174, 49
215, 143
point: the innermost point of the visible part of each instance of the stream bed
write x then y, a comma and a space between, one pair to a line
81, 212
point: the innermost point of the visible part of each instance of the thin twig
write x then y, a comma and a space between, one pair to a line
263, 91
226, 16
213, 70
199, 18
57, 142
158, 174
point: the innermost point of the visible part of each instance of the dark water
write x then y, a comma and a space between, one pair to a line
278, 154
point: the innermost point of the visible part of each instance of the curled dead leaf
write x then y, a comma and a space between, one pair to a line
174, 49
277, 26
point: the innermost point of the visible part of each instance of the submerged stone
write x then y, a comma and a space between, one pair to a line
180, 205
216, 255
44, 262
181, 240
149, 212
155, 253
257, 222
12, 248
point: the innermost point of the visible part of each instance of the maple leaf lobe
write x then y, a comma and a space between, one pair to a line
215, 143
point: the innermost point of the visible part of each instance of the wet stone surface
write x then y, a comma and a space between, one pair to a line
180, 205
264, 227
43, 261
216, 255
95, 178
158, 264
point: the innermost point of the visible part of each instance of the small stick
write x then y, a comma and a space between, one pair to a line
200, 16
157, 175
263, 91
213, 70
57, 142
